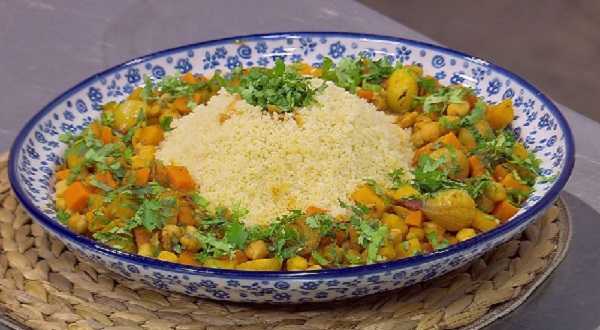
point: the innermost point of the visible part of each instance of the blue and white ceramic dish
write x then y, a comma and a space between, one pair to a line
37, 151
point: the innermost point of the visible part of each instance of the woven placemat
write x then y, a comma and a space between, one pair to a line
44, 286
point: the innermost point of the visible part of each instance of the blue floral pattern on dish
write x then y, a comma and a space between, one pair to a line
37, 150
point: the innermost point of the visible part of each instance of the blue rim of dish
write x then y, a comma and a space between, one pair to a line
145, 262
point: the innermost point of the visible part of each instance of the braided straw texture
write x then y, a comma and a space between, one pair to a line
44, 286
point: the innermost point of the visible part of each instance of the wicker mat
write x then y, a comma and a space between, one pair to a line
44, 286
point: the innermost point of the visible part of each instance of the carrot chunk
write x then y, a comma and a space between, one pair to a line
142, 176
476, 167
366, 94
185, 216
106, 135
414, 218
504, 211
187, 258
451, 139
76, 196
500, 171
62, 174
141, 235
189, 78
180, 178
107, 179
510, 182
312, 210
181, 105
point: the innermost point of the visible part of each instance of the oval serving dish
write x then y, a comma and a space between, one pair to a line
36, 152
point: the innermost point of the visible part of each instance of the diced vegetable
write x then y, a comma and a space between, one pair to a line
76, 196
476, 167
401, 91
414, 218
366, 196
142, 176
266, 264
505, 210
500, 115
180, 178
452, 209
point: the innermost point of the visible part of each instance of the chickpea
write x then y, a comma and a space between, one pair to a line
428, 132
169, 234
458, 109
485, 204
296, 263
415, 232
465, 234
167, 256
407, 120
495, 191
60, 187
77, 223
146, 250
456, 162
256, 250
387, 252
264, 264
190, 243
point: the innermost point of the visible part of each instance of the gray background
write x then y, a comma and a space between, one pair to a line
47, 46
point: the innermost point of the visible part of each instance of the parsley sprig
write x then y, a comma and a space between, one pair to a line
281, 89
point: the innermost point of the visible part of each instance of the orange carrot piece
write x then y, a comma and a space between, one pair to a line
180, 178
181, 105
188, 258
141, 235
62, 174
107, 179
500, 172
451, 139
185, 216
366, 94
142, 176
476, 167
424, 150
312, 210
471, 99
76, 196
106, 134
415, 218
189, 78
510, 182
504, 211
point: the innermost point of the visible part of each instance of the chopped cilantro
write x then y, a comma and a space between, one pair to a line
280, 88
362, 72
438, 101
165, 123
236, 234
100, 185
63, 216
435, 242
322, 222
397, 177
428, 84
107, 118
429, 177
199, 200
319, 258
